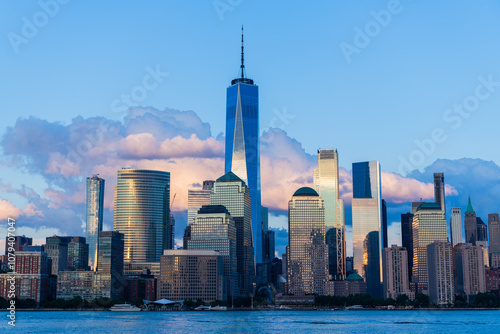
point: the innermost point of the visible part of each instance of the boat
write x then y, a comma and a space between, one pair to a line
219, 308
354, 307
124, 308
203, 308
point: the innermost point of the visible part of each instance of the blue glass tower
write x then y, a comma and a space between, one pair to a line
243, 144
95, 208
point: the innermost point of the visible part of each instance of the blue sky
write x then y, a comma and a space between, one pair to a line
375, 104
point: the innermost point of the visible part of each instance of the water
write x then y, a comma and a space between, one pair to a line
287, 322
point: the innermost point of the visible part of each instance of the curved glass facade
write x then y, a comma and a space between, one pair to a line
142, 211
95, 207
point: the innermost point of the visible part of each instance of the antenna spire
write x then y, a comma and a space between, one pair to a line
242, 55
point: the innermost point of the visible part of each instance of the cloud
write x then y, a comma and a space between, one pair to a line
8, 210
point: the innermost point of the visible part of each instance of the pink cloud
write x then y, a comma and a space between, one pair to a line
8, 210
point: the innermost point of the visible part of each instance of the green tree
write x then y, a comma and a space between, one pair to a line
402, 300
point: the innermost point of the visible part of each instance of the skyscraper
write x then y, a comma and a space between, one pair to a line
440, 272
197, 198
57, 251
213, 228
470, 223
456, 226
307, 251
470, 270
231, 192
243, 143
367, 224
78, 254
395, 272
494, 230
95, 209
142, 213
109, 279
407, 238
326, 181
385, 242
482, 230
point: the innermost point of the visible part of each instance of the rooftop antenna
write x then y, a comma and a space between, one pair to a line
242, 55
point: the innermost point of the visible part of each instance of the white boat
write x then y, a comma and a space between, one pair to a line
219, 308
124, 308
354, 307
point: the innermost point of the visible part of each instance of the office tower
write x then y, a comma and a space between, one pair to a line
482, 230
492, 279
407, 238
110, 281
396, 280
231, 191
243, 144
213, 228
470, 270
71, 284
142, 213
197, 198
326, 180
367, 231
78, 254
440, 272
95, 209
307, 251
17, 244
456, 226
142, 286
470, 223
429, 225
494, 231
57, 250
269, 243
349, 265
385, 243
191, 275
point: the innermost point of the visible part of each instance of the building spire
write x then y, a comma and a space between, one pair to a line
469, 210
242, 55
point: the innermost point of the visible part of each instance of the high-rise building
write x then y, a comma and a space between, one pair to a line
470, 270
429, 225
142, 213
57, 250
470, 223
367, 231
213, 228
231, 191
307, 252
385, 242
494, 231
95, 209
243, 143
482, 230
78, 254
407, 238
191, 275
440, 272
395, 272
72, 284
110, 282
18, 243
197, 198
456, 226
326, 181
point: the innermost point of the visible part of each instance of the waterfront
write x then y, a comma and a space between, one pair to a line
258, 322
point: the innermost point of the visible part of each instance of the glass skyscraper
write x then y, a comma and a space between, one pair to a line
142, 212
197, 198
456, 226
243, 143
367, 224
95, 208
326, 182
307, 251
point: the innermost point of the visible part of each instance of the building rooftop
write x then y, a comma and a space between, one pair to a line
213, 209
305, 191
354, 277
469, 210
429, 206
229, 177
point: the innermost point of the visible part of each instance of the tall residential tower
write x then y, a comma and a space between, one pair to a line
95, 208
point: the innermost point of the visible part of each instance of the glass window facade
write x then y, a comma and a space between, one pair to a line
95, 208
142, 213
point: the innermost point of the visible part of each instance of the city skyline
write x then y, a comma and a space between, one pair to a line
143, 134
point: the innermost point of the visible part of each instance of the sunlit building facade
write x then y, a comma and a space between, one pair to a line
231, 192
396, 280
326, 181
197, 198
456, 226
470, 270
242, 155
95, 209
142, 213
307, 252
213, 228
440, 272
367, 224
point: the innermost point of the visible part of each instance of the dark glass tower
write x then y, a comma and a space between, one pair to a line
243, 144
